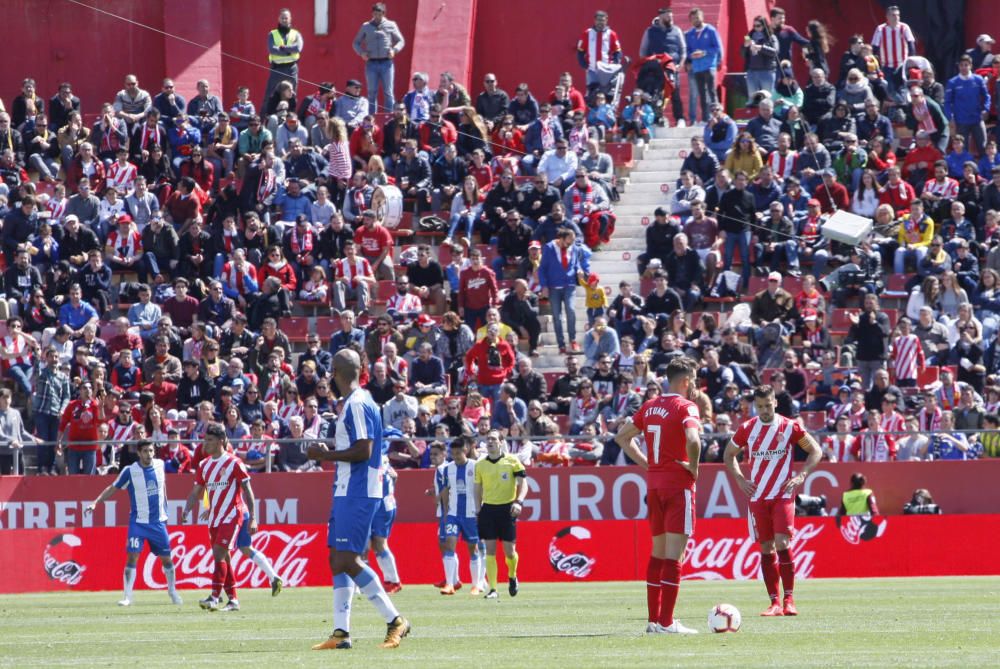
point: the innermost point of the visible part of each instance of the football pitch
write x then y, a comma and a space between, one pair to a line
843, 623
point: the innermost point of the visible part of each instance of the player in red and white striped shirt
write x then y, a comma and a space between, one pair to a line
230, 496
671, 427
907, 355
894, 40
769, 441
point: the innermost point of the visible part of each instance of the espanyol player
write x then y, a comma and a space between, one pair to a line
459, 477
440, 510
359, 447
147, 517
385, 516
244, 543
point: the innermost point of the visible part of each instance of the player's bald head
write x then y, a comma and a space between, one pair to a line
347, 365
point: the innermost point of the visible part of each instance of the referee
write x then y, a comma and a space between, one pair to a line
501, 487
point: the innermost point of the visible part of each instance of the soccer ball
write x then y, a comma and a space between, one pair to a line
724, 618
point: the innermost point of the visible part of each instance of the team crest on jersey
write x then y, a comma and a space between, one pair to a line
504, 476
152, 488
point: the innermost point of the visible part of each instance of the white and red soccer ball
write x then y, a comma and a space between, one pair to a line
724, 618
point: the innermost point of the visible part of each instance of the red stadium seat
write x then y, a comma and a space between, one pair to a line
295, 328
622, 154
928, 375
757, 284
326, 326
841, 321
383, 289
895, 286
550, 380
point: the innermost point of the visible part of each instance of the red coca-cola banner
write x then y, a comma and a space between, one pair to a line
92, 558
564, 493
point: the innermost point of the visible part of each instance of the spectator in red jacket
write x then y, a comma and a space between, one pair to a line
918, 166
832, 195
493, 359
86, 164
164, 392
897, 193
279, 268
375, 243
78, 431
477, 290
177, 458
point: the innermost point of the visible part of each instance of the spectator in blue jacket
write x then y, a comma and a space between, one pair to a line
564, 263
541, 136
637, 119
872, 124
704, 53
720, 132
967, 103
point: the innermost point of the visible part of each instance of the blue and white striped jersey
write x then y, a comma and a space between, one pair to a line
147, 492
360, 419
459, 480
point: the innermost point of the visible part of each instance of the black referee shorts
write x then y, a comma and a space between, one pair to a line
495, 522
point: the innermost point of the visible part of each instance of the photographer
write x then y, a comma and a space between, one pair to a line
921, 503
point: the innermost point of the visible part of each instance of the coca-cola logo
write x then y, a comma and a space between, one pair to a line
566, 555
57, 562
737, 557
194, 564
856, 529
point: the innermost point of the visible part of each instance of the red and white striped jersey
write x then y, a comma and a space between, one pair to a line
289, 409
769, 449
875, 447
892, 422
929, 421
397, 365
404, 304
128, 245
56, 209
599, 46
839, 447
948, 189
122, 177
782, 166
222, 477
347, 271
907, 356
893, 44
20, 347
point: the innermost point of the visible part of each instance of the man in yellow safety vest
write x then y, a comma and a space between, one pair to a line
284, 48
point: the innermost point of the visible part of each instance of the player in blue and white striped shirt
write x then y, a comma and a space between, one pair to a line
359, 446
458, 482
147, 492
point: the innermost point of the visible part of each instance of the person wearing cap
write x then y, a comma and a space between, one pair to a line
982, 54
351, 106
378, 42
832, 195
513, 240
123, 248
774, 304
76, 242
663, 36
967, 103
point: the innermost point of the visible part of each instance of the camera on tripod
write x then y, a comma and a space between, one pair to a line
810, 505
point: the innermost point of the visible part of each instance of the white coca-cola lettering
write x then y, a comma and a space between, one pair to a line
194, 564
577, 565
738, 558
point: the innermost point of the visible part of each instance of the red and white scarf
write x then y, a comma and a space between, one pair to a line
150, 136
305, 245
579, 201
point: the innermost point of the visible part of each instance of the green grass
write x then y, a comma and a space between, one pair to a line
843, 623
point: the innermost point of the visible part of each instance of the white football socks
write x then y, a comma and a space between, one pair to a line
387, 563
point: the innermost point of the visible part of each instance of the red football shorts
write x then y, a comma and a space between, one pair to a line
225, 534
671, 510
771, 516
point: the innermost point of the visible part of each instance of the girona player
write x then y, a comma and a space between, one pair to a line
230, 502
671, 427
769, 441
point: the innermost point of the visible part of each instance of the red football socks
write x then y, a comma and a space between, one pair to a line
219, 577
769, 570
787, 568
670, 580
653, 588
230, 581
